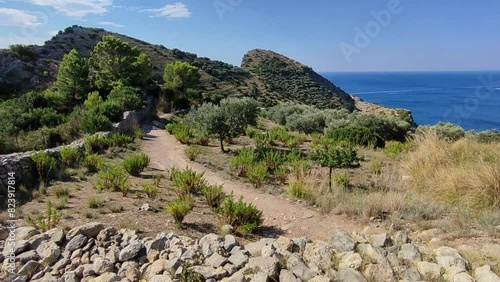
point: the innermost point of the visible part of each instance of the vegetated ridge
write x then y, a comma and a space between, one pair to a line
265, 75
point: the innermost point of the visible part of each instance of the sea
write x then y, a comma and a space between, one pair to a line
469, 99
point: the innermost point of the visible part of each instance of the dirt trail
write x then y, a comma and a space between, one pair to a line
293, 219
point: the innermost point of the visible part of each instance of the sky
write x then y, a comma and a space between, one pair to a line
328, 35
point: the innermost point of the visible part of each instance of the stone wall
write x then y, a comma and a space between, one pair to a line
22, 165
95, 252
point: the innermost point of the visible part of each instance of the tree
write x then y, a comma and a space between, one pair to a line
180, 78
333, 156
114, 62
72, 81
229, 120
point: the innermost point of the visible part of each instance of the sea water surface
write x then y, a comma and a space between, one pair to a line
469, 99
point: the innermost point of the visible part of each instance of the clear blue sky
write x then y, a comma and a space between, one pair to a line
420, 35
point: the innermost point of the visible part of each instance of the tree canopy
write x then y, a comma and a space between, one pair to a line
72, 80
114, 62
181, 79
227, 120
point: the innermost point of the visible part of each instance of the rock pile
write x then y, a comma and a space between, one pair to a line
93, 252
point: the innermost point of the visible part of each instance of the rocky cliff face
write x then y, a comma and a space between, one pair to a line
94, 252
18, 75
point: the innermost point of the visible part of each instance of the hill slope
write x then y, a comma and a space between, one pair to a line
265, 75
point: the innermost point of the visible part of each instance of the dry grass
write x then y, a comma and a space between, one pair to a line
461, 173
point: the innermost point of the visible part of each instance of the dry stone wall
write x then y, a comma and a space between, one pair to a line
22, 165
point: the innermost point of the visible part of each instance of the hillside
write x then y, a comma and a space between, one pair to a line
264, 75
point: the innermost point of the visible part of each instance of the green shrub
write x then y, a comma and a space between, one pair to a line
244, 158
129, 98
355, 136
181, 132
293, 142
341, 180
91, 122
183, 136
281, 173
214, 195
70, 156
201, 140
258, 174
47, 221
179, 208
306, 123
298, 190
272, 158
120, 140
488, 136
95, 144
192, 152
113, 179
150, 190
95, 202
300, 168
116, 208
252, 132
135, 164
172, 173
139, 134
445, 130
93, 162
394, 148
188, 182
93, 100
44, 164
110, 109
61, 192
61, 203
279, 134
376, 167
244, 217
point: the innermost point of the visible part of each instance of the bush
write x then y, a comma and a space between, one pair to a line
26, 52
394, 148
192, 152
245, 217
113, 179
258, 174
489, 136
214, 195
95, 144
341, 180
150, 190
181, 132
92, 123
241, 163
70, 156
47, 221
376, 167
252, 132
281, 173
355, 136
93, 100
298, 190
444, 130
272, 158
188, 182
93, 163
279, 134
95, 202
44, 164
110, 109
120, 140
293, 142
128, 98
179, 208
61, 192
307, 123
135, 164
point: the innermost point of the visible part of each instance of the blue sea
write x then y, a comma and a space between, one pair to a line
469, 99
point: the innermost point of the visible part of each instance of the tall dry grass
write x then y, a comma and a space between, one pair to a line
463, 173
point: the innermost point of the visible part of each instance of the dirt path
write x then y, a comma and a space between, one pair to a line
291, 218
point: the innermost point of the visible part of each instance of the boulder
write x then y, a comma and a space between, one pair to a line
76, 242
299, 268
131, 251
90, 230
320, 255
349, 260
343, 242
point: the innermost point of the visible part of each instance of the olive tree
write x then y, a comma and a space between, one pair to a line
227, 120
333, 156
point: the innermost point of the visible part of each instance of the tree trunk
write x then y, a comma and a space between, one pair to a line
330, 180
222, 145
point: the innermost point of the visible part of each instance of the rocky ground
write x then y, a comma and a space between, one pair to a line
94, 252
